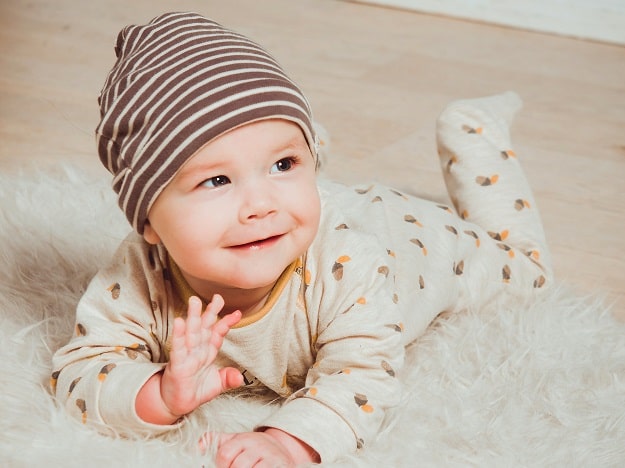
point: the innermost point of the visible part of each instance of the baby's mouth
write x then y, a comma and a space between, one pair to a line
258, 244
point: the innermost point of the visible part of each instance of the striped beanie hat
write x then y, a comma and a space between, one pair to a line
179, 82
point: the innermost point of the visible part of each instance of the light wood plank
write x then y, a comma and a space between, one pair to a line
377, 78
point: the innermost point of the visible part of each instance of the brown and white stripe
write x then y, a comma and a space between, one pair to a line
179, 82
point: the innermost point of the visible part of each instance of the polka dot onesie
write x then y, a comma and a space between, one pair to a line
331, 337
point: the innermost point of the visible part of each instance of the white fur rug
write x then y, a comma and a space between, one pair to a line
540, 384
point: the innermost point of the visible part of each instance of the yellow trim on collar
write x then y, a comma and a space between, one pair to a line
184, 291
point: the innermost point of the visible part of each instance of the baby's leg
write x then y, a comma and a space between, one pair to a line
488, 189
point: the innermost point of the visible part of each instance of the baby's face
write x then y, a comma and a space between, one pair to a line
241, 209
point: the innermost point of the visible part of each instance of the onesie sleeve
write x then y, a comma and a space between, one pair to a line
117, 344
357, 340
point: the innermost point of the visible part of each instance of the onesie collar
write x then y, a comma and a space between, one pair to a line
184, 291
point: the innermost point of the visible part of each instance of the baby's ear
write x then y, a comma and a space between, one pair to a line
323, 147
150, 235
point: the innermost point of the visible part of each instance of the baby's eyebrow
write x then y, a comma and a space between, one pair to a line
191, 169
292, 144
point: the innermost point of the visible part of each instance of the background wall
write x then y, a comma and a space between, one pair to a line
602, 20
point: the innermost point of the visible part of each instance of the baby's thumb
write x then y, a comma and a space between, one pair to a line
230, 378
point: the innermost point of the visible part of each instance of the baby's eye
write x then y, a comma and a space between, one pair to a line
283, 165
216, 181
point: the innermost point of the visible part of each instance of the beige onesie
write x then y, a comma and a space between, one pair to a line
331, 337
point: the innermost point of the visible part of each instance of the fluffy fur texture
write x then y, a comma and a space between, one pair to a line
535, 384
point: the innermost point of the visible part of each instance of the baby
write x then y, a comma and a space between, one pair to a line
245, 270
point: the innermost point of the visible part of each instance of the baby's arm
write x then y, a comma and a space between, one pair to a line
190, 378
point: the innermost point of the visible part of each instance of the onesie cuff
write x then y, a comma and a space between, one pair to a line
118, 395
315, 424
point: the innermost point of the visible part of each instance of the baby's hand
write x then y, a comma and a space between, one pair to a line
270, 448
190, 378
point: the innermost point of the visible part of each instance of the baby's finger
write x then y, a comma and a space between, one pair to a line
216, 303
194, 307
193, 322
213, 439
212, 310
204, 443
223, 326
221, 329
178, 342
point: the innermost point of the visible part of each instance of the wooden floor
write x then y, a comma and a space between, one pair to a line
377, 78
